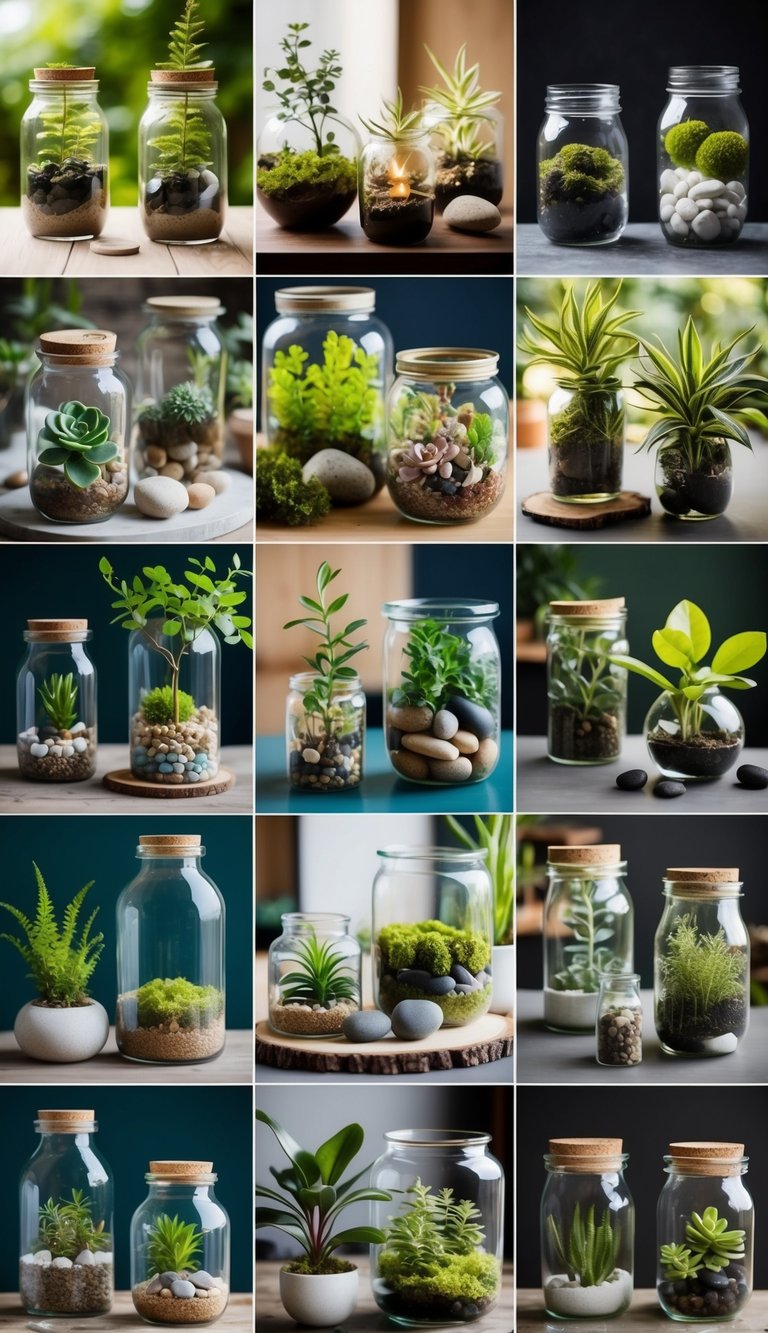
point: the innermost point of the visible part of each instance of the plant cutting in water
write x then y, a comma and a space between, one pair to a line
587, 1249
465, 132
582, 195
61, 962
701, 988
591, 925
705, 1277
319, 993
397, 195
173, 1245
584, 687
186, 414
434, 961
77, 438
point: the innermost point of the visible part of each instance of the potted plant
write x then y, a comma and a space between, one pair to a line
466, 131
69, 1268
180, 436
711, 1260
496, 834
397, 177
63, 1024
588, 1251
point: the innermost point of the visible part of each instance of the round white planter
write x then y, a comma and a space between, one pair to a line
319, 1301
503, 1001
61, 1036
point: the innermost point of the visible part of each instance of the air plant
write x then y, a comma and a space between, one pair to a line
321, 976
466, 107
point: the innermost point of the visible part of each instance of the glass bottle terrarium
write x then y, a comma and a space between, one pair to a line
583, 165
315, 979
586, 693
701, 964
397, 188
433, 930
703, 157
585, 442
64, 156
457, 1277
56, 703
66, 1224
448, 428
173, 690
325, 739
306, 169
170, 956
180, 1238
619, 1033
694, 738
182, 158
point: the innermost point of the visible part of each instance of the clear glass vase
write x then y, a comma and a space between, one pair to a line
182, 159
583, 165
619, 1032
306, 175
64, 156
469, 152
56, 713
694, 738
325, 744
586, 693
174, 705
197, 1279
586, 444
306, 1000
397, 189
695, 485
703, 157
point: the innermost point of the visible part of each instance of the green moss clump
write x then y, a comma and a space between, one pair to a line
282, 494
579, 174
297, 176
723, 155
683, 141
330, 1265
176, 1000
157, 705
454, 1277
432, 946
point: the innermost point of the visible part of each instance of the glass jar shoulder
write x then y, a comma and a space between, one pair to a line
156, 888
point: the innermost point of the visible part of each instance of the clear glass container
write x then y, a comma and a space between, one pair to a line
78, 407
694, 487
703, 157
586, 693
701, 964
415, 1167
56, 703
170, 956
448, 428
585, 443
586, 1188
64, 156
397, 189
16, 362
173, 693
704, 1187
588, 932
306, 175
433, 930
694, 738
583, 165
422, 635
619, 1032
325, 746
66, 1223
182, 159
469, 151
181, 1193
315, 975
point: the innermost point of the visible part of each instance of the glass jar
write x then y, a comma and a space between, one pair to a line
170, 956
16, 364
703, 157
64, 156
422, 635
694, 486
694, 738
309, 997
66, 1198
397, 189
701, 964
56, 703
433, 930
703, 1188
619, 1034
182, 159
78, 413
583, 165
173, 692
586, 1188
586, 693
306, 175
180, 1192
325, 745
588, 932
585, 443
448, 427
469, 153
415, 1167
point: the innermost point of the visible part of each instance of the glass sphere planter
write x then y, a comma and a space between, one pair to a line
56, 713
583, 165
586, 444
695, 486
694, 739
181, 1197
469, 153
182, 159
703, 157
397, 189
315, 977
586, 693
325, 744
173, 691
64, 156
306, 175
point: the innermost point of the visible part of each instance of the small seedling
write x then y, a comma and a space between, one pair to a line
58, 695
330, 663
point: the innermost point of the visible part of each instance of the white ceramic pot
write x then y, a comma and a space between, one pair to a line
318, 1301
61, 1036
503, 999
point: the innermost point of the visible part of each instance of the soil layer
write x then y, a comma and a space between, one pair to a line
431, 1310
699, 1297
585, 467
692, 1035
704, 493
168, 1043
66, 199
706, 756
304, 1020
397, 221
577, 740
193, 228
200, 1309
308, 212
83, 222
466, 505
81, 1289
482, 177
584, 224
57, 767
57, 500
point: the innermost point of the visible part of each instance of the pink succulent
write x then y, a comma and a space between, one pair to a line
418, 461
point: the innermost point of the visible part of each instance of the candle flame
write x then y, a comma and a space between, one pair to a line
399, 186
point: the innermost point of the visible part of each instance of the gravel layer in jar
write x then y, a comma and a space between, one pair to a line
620, 1036
327, 763
458, 1007
164, 1307
709, 1295
60, 1286
418, 750
708, 755
304, 1020
184, 446
67, 205
697, 211
168, 1043
175, 753
46, 755
447, 502
54, 497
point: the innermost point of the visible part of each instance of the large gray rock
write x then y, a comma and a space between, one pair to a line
412, 1020
471, 213
346, 479
370, 1025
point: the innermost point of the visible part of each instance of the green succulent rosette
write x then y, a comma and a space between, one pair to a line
77, 438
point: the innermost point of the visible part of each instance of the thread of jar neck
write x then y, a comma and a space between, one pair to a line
713, 80
583, 99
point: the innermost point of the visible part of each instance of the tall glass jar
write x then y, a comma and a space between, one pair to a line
619, 1033
173, 692
66, 1198
182, 159
315, 975
583, 165
396, 189
705, 1276
586, 1189
588, 925
448, 429
306, 175
416, 1166
325, 744
191, 1266
469, 151
585, 442
701, 963
440, 732
170, 956
433, 930
78, 409
64, 156
703, 157
586, 693
56, 703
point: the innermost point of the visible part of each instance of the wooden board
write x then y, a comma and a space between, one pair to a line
544, 508
122, 780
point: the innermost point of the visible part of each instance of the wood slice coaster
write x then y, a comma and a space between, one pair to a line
544, 508
122, 780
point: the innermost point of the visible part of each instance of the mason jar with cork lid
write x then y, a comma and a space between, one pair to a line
182, 158
64, 156
56, 703
586, 693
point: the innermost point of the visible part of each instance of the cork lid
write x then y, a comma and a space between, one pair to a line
182, 77
707, 1158
292, 300
180, 1170
703, 881
604, 854
608, 606
180, 306
57, 631
164, 844
65, 1122
586, 1154
80, 347
75, 74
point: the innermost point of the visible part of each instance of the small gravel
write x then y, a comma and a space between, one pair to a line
304, 1021
163, 1045
82, 1289
200, 1309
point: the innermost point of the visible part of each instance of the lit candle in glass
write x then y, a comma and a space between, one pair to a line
398, 185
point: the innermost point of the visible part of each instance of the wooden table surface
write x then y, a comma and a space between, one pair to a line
237, 1318
234, 1065
644, 1313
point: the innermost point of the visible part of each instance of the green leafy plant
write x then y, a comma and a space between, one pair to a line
176, 1000
66, 1227
282, 494
495, 834
77, 437
289, 175
306, 95
58, 695
591, 924
61, 963
697, 971
183, 49
710, 1245
157, 705
395, 121
330, 663
69, 130
440, 664
582, 675
330, 402
466, 106
184, 141
588, 1249
173, 1245
433, 1250
322, 974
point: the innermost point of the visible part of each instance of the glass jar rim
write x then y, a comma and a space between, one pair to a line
55, 359
205, 88
702, 890
303, 681
714, 79
584, 99
598, 1165
333, 300
438, 364
453, 610
402, 852
608, 979
325, 919
184, 308
436, 1138
168, 847
54, 86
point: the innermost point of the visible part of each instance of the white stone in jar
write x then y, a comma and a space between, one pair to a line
678, 225
668, 199
737, 188
694, 177
681, 173
687, 209
708, 189
666, 211
680, 190
668, 180
706, 225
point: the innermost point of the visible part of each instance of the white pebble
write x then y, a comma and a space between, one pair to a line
720, 205
79, 745
709, 189
56, 750
668, 199
42, 1257
39, 751
681, 189
702, 204
180, 452
666, 211
694, 177
687, 209
220, 481
668, 180
733, 211
678, 225
706, 225
85, 1258
61, 1263
67, 751
160, 497
310, 756
681, 173
731, 196
79, 726
737, 188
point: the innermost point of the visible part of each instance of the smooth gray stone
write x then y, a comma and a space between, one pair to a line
466, 990
347, 480
414, 976
181, 1289
168, 1279
154, 1286
440, 986
368, 1026
461, 976
482, 979
203, 1280
413, 1020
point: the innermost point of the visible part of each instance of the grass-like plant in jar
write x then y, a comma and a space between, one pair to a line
64, 155
586, 692
56, 736
582, 160
314, 975
466, 132
397, 177
180, 1239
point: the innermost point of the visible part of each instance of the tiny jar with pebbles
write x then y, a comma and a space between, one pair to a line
586, 692
66, 1224
315, 975
583, 165
182, 158
396, 178
64, 156
619, 1032
180, 1238
56, 703
703, 157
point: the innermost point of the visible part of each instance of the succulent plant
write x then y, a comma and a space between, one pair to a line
157, 705
679, 1261
710, 1245
190, 403
77, 437
424, 460
58, 695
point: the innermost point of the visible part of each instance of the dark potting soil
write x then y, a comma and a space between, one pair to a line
705, 756
482, 177
594, 223
397, 221
584, 467
61, 187
578, 740
709, 1295
432, 1311
304, 208
706, 492
689, 1035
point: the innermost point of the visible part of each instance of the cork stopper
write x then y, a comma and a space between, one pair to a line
179, 306
585, 1155
77, 74
57, 631
292, 300
607, 607
184, 76
165, 844
604, 854
80, 347
180, 1170
707, 1158
65, 1122
703, 881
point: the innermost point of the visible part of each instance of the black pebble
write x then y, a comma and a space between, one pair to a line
667, 790
750, 775
633, 780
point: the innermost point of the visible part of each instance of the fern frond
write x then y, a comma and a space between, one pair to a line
72, 912
183, 50
59, 965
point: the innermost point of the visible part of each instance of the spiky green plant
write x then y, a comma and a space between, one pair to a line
60, 964
58, 695
172, 1245
66, 1227
587, 1249
395, 122
495, 835
466, 107
322, 975
184, 139
710, 1245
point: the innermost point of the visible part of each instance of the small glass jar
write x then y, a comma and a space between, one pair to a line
701, 964
170, 956
588, 932
586, 1189
180, 1193
78, 409
305, 999
306, 175
397, 189
703, 157
701, 1282
583, 165
694, 739
56, 703
694, 491
619, 1033
182, 159
174, 705
325, 744
417, 1166
585, 443
64, 156
469, 153
67, 1201
433, 930
586, 693
448, 429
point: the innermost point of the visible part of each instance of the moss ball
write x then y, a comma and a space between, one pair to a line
683, 141
723, 155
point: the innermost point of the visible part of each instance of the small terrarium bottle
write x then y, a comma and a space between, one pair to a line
701, 963
78, 427
170, 956
66, 1199
586, 693
174, 705
433, 930
325, 741
397, 188
588, 932
586, 1196
306, 173
448, 433
180, 1238
64, 156
705, 1233
56, 703
182, 158
619, 1032
703, 157
583, 165
694, 739
315, 975
469, 151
